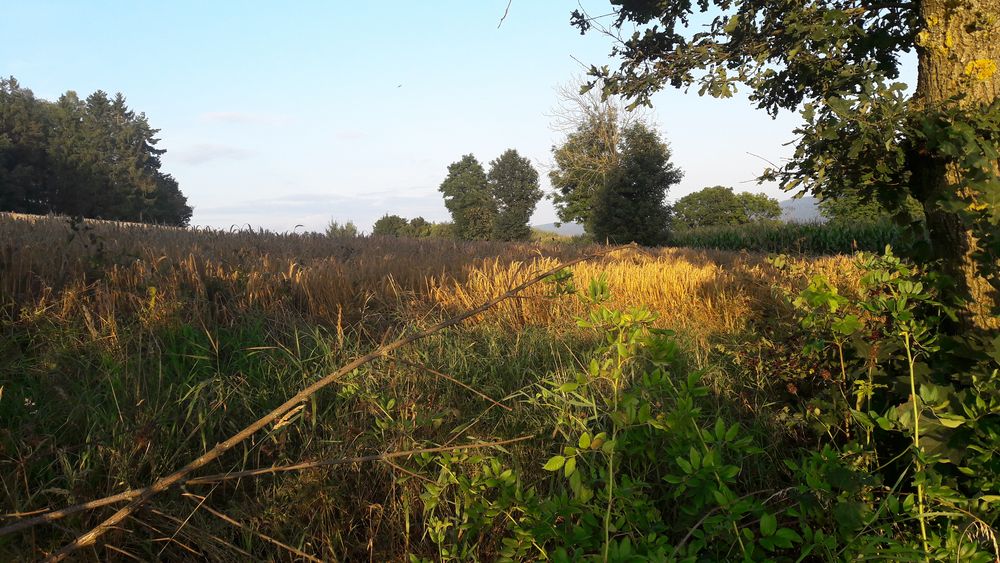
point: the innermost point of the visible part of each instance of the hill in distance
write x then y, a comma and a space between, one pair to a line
569, 229
801, 210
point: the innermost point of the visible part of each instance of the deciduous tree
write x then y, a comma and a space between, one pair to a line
389, 226
719, 205
630, 206
468, 199
513, 183
601, 164
838, 62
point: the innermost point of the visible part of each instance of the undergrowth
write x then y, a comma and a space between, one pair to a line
837, 422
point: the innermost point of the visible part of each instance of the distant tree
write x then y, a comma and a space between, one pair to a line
341, 230
93, 157
611, 163
24, 159
390, 225
442, 230
418, 227
759, 207
718, 205
468, 199
588, 155
513, 182
630, 206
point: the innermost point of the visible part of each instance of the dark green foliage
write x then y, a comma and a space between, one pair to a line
389, 225
795, 238
468, 199
852, 208
630, 206
718, 205
92, 158
613, 179
513, 182
418, 227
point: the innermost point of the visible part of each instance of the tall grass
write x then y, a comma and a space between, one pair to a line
797, 238
127, 350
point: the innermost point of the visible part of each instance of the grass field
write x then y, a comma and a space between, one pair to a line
129, 350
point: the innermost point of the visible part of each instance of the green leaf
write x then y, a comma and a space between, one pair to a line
847, 325
768, 524
732, 432
695, 457
570, 466
584, 441
789, 534
555, 463
685, 465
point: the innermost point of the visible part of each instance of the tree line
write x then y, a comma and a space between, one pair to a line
92, 157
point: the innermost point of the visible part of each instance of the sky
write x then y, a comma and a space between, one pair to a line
276, 115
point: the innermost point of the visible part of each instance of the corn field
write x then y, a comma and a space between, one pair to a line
792, 238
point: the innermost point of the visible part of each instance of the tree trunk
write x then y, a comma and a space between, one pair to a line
958, 50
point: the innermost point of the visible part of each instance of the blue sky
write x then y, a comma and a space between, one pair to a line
279, 114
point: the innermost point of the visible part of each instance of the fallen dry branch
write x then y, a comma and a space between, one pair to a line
219, 477
164, 483
64, 512
455, 381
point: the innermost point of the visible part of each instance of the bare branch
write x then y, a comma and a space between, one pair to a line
219, 477
505, 11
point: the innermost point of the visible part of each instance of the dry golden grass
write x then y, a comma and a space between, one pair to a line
106, 271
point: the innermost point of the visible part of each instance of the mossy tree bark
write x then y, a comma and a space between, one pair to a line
958, 51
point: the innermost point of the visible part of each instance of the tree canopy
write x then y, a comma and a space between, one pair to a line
468, 199
513, 183
719, 205
611, 174
336, 229
497, 205
838, 62
93, 158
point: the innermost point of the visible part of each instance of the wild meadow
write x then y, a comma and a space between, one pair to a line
642, 404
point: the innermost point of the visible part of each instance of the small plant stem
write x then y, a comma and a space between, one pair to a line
843, 381
916, 443
611, 456
843, 369
704, 446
